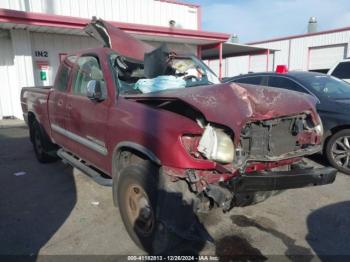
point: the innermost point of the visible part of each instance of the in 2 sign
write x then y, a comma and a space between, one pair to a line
41, 54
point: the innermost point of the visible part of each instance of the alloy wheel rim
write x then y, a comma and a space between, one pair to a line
341, 151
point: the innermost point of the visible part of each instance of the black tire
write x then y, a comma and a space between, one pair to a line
41, 144
333, 148
144, 177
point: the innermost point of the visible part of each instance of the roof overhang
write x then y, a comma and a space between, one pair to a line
47, 23
232, 50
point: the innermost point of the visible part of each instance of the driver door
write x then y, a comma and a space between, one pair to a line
87, 120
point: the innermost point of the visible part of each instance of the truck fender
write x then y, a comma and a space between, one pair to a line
133, 147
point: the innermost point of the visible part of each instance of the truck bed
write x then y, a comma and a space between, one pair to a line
35, 99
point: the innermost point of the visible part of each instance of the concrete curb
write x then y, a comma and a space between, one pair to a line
12, 123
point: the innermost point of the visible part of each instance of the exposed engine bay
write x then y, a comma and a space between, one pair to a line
280, 137
268, 140
268, 151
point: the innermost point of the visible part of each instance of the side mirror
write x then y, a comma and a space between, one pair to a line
96, 90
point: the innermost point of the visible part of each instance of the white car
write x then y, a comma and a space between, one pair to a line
341, 70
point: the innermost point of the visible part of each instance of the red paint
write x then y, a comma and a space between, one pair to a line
281, 69
116, 39
62, 56
220, 61
40, 19
210, 46
254, 167
199, 52
41, 64
121, 118
216, 102
267, 59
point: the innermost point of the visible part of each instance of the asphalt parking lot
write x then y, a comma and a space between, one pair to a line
53, 209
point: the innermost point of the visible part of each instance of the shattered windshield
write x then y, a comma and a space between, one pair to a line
176, 72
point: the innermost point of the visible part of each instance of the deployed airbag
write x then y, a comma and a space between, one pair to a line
159, 83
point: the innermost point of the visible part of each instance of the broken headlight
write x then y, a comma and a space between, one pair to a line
319, 127
216, 145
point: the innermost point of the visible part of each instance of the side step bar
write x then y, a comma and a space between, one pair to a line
86, 169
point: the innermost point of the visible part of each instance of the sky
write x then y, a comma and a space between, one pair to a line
254, 20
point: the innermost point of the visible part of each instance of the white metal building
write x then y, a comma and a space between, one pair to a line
316, 51
35, 35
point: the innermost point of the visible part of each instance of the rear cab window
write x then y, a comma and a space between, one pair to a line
63, 74
62, 78
342, 70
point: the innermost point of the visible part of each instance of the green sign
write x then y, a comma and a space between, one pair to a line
43, 75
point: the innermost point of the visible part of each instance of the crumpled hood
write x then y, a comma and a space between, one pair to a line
234, 105
116, 39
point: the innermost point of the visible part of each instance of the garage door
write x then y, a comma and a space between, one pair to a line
322, 58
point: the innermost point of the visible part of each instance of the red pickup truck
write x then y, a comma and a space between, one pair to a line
154, 124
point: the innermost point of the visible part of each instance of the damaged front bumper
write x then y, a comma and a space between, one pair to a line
280, 180
178, 206
248, 189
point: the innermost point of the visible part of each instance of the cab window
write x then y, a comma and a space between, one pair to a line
88, 69
62, 78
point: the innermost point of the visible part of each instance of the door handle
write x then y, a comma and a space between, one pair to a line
60, 102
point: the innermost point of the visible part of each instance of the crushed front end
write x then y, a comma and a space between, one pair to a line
266, 159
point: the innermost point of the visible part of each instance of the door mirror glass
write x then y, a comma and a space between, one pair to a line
95, 90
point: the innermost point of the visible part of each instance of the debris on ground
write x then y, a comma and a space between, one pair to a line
95, 203
21, 173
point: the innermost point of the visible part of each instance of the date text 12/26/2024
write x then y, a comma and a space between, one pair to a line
173, 258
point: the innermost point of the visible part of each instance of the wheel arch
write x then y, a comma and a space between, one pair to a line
134, 153
339, 128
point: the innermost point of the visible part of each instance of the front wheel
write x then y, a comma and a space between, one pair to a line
137, 197
338, 151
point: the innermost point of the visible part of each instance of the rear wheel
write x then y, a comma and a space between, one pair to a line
41, 145
338, 151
